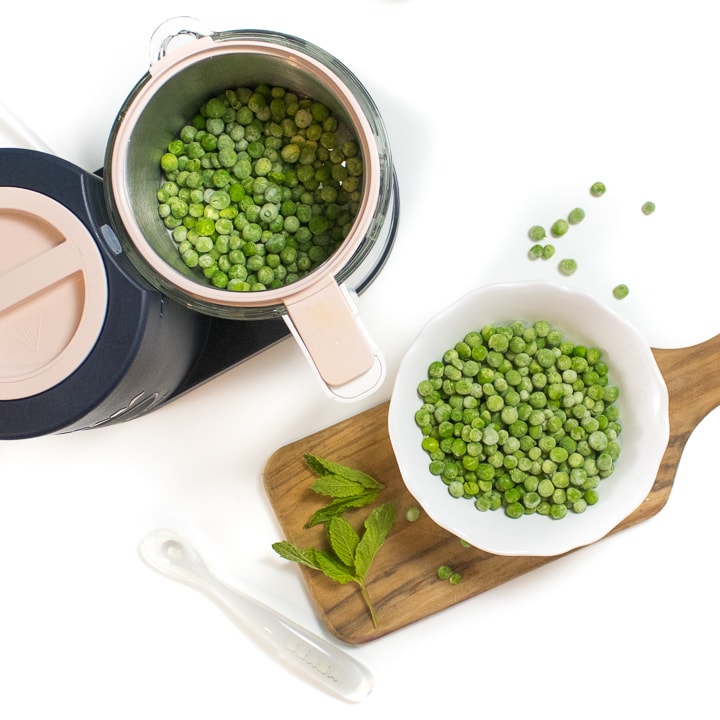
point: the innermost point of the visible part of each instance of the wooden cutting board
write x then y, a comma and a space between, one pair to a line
403, 580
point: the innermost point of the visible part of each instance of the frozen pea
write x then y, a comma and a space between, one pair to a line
648, 208
597, 189
579, 506
456, 489
515, 510
591, 496
535, 252
537, 233
620, 291
412, 513
169, 162
576, 216
444, 572
559, 228
567, 266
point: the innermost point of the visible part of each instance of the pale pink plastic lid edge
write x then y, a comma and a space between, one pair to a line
28, 320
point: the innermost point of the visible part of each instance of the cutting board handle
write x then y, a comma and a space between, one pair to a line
692, 376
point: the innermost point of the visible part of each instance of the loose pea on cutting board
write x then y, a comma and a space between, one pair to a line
403, 580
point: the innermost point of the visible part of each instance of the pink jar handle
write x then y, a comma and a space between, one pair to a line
328, 329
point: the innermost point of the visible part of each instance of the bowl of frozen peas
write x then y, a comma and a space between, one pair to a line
528, 419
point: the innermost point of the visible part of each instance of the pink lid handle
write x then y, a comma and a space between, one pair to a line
328, 329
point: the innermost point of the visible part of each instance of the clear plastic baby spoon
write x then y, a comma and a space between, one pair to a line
325, 663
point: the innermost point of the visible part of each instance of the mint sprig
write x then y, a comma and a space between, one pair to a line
348, 487
351, 554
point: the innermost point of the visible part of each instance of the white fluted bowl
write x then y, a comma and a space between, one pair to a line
643, 406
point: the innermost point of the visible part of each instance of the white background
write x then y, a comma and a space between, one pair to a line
500, 115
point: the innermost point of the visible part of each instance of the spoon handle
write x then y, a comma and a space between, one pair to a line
297, 647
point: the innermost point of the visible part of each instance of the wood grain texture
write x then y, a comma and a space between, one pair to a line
402, 580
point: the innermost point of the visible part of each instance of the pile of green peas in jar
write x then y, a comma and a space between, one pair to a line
260, 188
517, 417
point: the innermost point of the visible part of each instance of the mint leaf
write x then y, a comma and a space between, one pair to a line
337, 486
315, 559
343, 540
334, 568
305, 556
320, 466
377, 527
339, 506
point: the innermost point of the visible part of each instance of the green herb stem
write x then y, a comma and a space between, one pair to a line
368, 601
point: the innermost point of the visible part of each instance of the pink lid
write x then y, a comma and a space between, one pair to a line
53, 293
